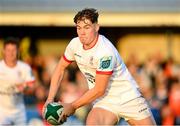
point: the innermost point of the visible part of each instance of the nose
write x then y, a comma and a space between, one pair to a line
82, 32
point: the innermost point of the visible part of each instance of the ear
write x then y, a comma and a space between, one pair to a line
97, 27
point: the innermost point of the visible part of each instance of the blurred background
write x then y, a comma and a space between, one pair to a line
145, 32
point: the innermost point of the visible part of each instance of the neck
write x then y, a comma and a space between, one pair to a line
10, 63
92, 44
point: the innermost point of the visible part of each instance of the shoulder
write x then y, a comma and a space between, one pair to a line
106, 43
74, 43
105, 47
1, 63
23, 65
75, 39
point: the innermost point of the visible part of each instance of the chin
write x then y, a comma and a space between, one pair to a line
83, 42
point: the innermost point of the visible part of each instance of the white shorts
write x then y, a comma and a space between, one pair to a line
135, 109
13, 119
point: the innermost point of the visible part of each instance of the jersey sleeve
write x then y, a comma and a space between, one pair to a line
106, 64
29, 78
69, 53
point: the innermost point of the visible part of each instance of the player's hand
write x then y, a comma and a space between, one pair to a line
17, 88
68, 109
20, 87
62, 118
45, 104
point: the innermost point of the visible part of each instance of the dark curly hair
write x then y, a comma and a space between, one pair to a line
87, 13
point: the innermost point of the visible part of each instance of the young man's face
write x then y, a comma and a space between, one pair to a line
87, 31
10, 52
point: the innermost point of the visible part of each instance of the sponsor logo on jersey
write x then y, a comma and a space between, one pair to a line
77, 55
90, 77
144, 109
106, 63
10, 90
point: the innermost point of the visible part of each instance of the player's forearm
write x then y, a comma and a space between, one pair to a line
27, 84
101, 82
87, 98
23, 87
55, 83
57, 77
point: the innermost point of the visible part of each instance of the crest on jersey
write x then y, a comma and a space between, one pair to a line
106, 63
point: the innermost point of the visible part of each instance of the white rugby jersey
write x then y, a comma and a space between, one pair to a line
103, 58
10, 100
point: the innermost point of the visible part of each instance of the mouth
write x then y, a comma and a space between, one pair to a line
82, 37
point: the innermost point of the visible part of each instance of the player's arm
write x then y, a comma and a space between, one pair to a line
101, 82
23, 87
106, 63
27, 84
59, 71
57, 77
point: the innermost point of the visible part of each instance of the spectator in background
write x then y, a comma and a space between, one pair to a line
15, 78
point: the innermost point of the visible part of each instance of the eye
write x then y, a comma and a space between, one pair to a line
87, 27
78, 28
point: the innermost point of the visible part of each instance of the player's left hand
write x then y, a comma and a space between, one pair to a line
68, 109
20, 87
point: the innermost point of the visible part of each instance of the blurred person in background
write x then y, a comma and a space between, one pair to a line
170, 111
15, 78
112, 90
